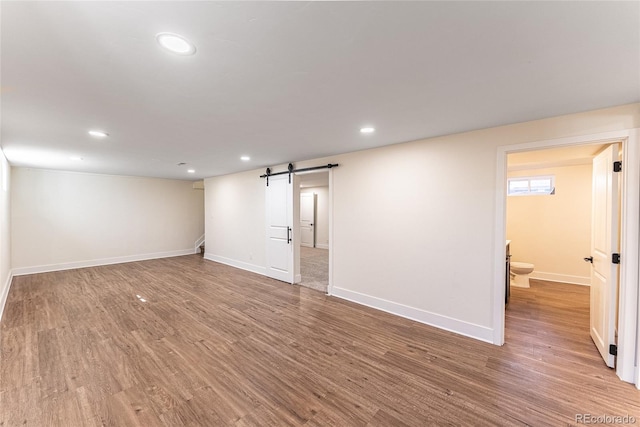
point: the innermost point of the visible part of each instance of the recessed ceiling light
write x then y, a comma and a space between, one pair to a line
98, 133
76, 158
367, 130
176, 44
245, 158
191, 171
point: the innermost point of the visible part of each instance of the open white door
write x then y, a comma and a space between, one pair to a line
307, 219
279, 204
604, 243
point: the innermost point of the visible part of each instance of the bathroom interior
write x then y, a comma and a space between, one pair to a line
548, 227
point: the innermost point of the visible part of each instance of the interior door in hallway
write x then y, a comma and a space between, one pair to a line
307, 219
604, 243
279, 222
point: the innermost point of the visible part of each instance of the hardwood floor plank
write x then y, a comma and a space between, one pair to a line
88, 415
341, 408
125, 408
267, 416
383, 419
213, 345
22, 405
61, 410
51, 365
19, 358
13, 312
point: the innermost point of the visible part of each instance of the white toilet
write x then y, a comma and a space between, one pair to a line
520, 272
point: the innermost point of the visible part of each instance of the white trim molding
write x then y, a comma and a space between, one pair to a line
450, 324
237, 264
322, 246
628, 299
98, 262
5, 293
562, 278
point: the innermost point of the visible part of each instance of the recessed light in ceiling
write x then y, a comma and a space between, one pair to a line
76, 158
245, 158
367, 130
191, 171
98, 133
176, 43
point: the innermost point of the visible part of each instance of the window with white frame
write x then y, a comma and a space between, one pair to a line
531, 185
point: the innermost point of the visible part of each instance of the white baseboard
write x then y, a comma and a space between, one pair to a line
297, 278
564, 278
237, 264
322, 245
97, 262
467, 329
5, 293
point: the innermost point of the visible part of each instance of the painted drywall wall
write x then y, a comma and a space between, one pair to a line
235, 220
67, 219
554, 231
5, 230
322, 215
413, 223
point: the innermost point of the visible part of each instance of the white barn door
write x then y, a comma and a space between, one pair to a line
279, 222
604, 243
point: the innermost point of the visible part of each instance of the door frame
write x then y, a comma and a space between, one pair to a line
628, 342
296, 258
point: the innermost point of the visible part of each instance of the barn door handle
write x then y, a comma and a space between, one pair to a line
589, 259
288, 235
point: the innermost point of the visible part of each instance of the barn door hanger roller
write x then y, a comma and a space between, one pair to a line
291, 169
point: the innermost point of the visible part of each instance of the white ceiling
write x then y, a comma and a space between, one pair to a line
554, 157
287, 81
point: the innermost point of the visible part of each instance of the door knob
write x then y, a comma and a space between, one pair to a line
589, 259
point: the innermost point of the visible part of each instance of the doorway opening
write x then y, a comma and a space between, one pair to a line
314, 218
560, 204
626, 301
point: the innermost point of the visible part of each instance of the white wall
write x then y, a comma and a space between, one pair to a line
554, 231
67, 219
322, 215
5, 230
235, 220
413, 223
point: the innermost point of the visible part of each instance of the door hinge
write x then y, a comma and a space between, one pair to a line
615, 258
617, 166
613, 350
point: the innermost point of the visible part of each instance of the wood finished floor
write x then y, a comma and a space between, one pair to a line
216, 346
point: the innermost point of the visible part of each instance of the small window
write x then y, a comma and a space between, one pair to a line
531, 185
